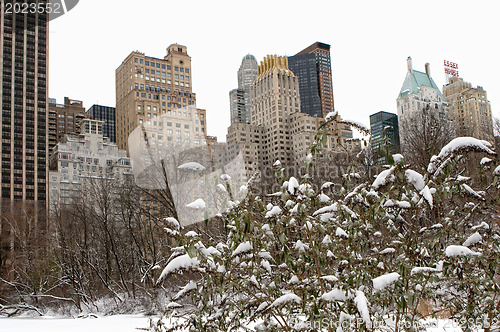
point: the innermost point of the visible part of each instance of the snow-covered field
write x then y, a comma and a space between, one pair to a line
127, 323
123, 323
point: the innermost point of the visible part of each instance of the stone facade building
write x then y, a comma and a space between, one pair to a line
274, 96
470, 109
419, 92
80, 159
278, 129
148, 87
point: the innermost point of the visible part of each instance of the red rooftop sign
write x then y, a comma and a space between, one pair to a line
450, 68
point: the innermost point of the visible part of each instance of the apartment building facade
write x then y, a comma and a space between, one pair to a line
80, 160
470, 109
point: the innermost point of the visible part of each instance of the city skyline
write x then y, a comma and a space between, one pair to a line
369, 48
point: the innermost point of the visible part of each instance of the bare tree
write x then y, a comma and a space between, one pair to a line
423, 134
496, 126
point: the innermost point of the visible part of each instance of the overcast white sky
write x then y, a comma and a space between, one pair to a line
370, 43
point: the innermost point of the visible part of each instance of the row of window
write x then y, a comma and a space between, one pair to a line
164, 81
178, 140
168, 75
161, 65
163, 89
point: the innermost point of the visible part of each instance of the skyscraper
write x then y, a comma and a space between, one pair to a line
312, 66
247, 72
23, 104
384, 122
314, 70
274, 97
239, 98
108, 116
470, 109
24, 144
304, 66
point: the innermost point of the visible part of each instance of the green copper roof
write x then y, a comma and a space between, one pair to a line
414, 80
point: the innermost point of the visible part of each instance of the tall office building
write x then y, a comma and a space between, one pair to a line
239, 98
274, 97
148, 87
108, 116
470, 109
384, 122
64, 119
304, 66
23, 104
314, 70
239, 110
24, 132
247, 72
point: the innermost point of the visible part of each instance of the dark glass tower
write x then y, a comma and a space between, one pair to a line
108, 115
314, 70
378, 122
23, 104
304, 67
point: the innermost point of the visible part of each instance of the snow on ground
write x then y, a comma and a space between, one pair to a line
136, 323
122, 323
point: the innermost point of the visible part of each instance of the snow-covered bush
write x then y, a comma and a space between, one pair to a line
370, 255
